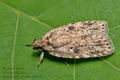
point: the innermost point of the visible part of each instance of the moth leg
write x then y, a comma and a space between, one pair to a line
67, 64
41, 59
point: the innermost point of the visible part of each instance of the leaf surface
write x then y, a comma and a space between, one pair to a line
21, 21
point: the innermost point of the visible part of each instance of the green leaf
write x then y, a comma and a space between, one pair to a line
21, 21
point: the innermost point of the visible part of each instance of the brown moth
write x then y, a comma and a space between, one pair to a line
79, 40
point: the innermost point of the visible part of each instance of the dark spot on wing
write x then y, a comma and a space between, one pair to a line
71, 47
108, 47
71, 27
103, 25
76, 49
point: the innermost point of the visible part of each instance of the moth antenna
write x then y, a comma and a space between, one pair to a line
41, 58
28, 45
67, 65
34, 40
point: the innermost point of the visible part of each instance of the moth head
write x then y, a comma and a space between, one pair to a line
39, 44
36, 44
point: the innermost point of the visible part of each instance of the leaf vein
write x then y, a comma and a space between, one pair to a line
114, 28
14, 45
110, 64
74, 75
27, 15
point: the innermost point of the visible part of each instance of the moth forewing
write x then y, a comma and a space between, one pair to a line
79, 40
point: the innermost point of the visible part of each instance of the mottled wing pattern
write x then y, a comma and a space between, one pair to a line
80, 40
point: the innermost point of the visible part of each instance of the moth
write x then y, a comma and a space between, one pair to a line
85, 39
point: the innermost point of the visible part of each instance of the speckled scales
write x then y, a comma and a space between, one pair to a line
79, 40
